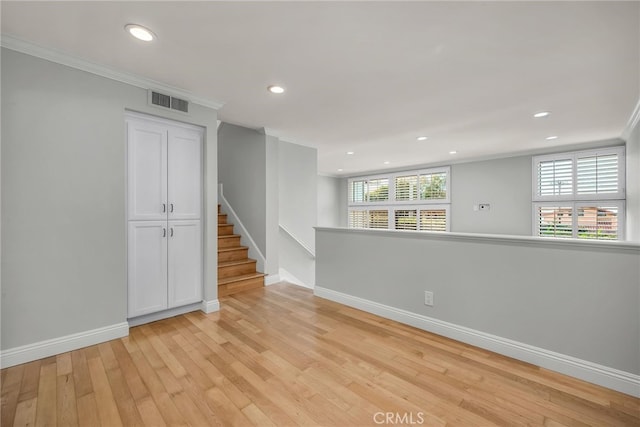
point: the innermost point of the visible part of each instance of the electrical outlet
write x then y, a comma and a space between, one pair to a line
428, 298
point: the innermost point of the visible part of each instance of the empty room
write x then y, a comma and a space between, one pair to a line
320, 213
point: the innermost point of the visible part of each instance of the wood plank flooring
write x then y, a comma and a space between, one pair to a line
279, 356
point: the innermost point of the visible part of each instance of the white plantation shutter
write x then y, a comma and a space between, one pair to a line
358, 219
554, 221
600, 222
580, 220
406, 219
433, 219
585, 193
583, 175
379, 218
555, 178
416, 200
357, 191
378, 190
598, 174
407, 187
433, 186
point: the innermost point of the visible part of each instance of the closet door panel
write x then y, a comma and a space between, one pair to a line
185, 173
147, 267
185, 262
147, 171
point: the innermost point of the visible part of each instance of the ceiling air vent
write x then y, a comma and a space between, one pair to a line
167, 101
180, 104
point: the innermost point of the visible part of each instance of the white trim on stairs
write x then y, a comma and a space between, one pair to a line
254, 252
298, 241
615, 379
30, 352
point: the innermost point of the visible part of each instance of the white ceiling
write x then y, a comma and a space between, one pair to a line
370, 77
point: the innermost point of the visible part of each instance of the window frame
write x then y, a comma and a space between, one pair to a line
391, 204
575, 205
391, 213
576, 200
574, 156
392, 187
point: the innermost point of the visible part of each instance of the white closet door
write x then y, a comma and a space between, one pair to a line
185, 174
147, 170
147, 273
185, 262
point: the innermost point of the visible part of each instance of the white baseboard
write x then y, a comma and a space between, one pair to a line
164, 314
210, 306
286, 276
39, 350
615, 379
272, 279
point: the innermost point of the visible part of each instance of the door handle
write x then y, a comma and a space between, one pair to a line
171, 207
164, 207
164, 232
171, 231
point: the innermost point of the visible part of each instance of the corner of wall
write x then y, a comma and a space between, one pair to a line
632, 137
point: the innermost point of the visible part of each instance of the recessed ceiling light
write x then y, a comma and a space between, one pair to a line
453, 152
552, 137
387, 162
140, 32
275, 89
422, 138
350, 153
340, 170
541, 114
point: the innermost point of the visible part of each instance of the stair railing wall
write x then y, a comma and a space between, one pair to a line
254, 252
298, 241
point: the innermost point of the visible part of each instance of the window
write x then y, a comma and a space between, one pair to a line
406, 219
378, 190
433, 219
580, 194
410, 200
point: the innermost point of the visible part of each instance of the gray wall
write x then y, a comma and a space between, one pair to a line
633, 185
332, 201
503, 183
298, 201
298, 167
242, 171
579, 300
63, 198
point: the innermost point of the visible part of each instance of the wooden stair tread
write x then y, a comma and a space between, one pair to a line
236, 248
240, 278
236, 271
238, 262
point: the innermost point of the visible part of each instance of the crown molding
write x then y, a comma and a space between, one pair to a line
632, 123
63, 58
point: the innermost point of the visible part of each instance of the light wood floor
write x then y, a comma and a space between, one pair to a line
280, 356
